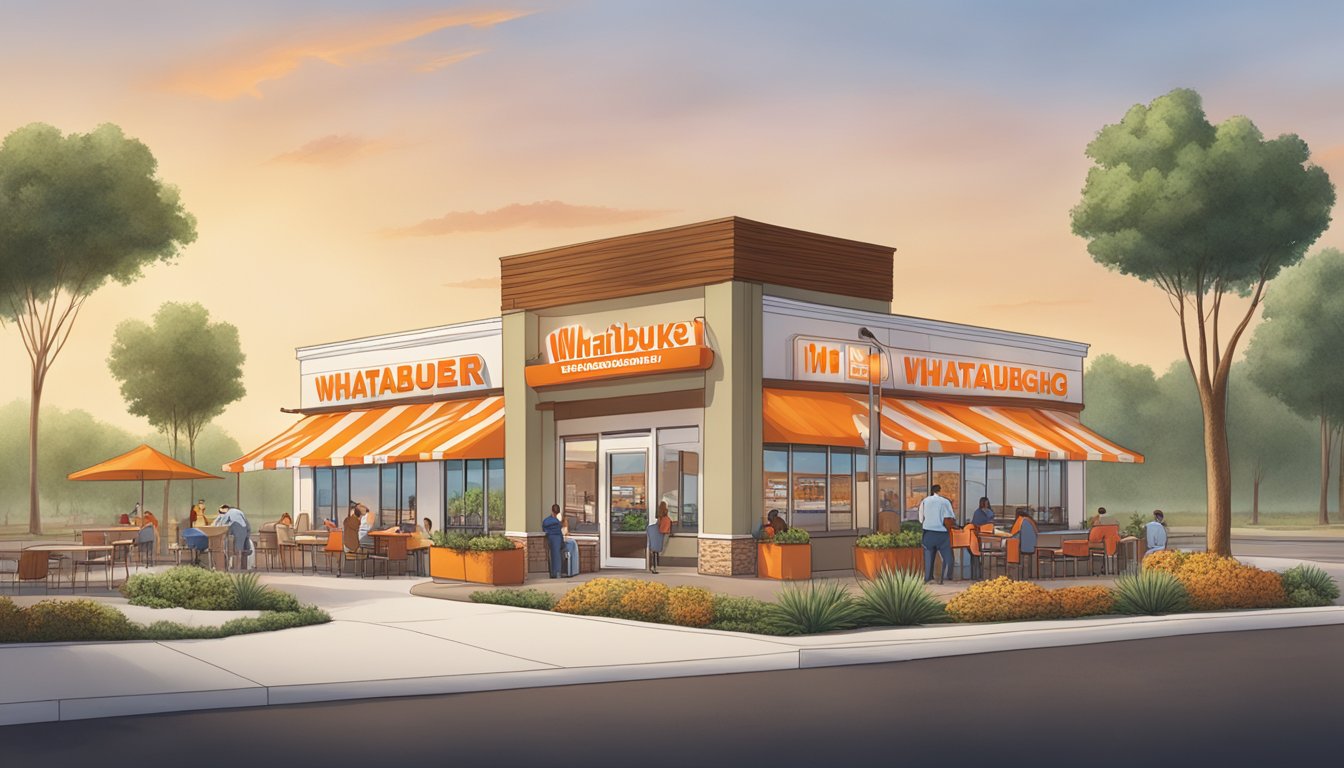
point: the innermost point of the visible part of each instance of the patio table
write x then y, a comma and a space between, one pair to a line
74, 548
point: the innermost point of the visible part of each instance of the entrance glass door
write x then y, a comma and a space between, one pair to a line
625, 500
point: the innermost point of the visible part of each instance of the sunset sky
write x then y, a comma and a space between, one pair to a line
359, 167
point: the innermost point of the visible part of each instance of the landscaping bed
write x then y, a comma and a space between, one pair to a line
1170, 582
72, 620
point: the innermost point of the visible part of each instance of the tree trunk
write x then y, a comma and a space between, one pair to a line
1340, 508
1324, 518
1255, 495
1218, 474
34, 408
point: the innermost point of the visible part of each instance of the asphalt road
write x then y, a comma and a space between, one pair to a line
1320, 550
1255, 698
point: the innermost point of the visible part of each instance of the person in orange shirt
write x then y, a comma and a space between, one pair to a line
664, 523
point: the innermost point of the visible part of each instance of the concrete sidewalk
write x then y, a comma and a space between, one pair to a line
385, 642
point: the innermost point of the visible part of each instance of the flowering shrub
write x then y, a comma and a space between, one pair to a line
1072, 602
1169, 560
1003, 599
1216, 583
641, 601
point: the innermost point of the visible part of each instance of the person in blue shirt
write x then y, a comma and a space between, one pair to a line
555, 538
933, 510
984, 514
1155, 533
239, 529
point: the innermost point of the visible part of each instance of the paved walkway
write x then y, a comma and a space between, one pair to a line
386, 642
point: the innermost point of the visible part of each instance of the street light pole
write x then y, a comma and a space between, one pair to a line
874, 419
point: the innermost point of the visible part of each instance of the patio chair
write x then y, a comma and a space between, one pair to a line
144, 546
419, 549
301, 524
285, 545
333, 548
1020, 550
1108, 549
9, 564
35, 565
353, 550
103, 561
888, 522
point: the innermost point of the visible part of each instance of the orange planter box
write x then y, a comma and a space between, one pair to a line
783, 561
870, 562
506, 566
445, 563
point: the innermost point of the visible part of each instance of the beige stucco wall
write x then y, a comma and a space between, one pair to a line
524, 460
732, 437
829, 299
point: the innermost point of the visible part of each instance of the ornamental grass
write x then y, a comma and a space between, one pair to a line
1308, 586
898, 599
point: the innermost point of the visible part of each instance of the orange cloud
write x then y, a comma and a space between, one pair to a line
475, 282
547, 214
330, 150
439, 62
235, 73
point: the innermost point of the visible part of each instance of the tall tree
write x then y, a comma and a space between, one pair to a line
179, 373
75, 211
1203, 212
1297, 353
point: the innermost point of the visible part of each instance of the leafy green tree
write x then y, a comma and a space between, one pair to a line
1203, 212
179, 373
1297, 353
75, 211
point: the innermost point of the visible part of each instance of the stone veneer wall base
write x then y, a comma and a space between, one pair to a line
728, 557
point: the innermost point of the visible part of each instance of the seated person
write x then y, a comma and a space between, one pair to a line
366, 523
1098, 519
1155, 533
774, 524
285, 519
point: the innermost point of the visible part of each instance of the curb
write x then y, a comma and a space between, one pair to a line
849, 650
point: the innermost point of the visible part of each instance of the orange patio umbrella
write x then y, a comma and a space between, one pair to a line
142, 463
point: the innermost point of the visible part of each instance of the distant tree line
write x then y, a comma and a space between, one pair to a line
1159, 416
74, 439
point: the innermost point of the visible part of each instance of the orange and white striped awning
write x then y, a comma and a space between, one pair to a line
450, 429
932, 426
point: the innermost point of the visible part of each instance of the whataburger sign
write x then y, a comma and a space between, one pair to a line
829, 360
575, 353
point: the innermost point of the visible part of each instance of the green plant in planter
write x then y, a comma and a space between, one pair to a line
913, 526
901, 540
792, 536
898, 599
1150, 592
1308, 586
491, 543
634, 521
1135, 526
451, 540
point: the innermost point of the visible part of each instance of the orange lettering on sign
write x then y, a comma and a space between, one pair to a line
448, 373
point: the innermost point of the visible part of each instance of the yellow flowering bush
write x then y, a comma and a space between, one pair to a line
1216, 583
1002, 599
690, 606
1168, 560
641, 601
1072, 602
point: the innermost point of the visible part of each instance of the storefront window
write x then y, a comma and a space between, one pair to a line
364, 486
972, 484
341, 484
994, 485
494, 495
863, 493
840, 514
809, 489
690, 493
580, 483
387, 510
1014, 487
1055, 493
406, 504
888, 492
473, 497
916, 484
679, 476
947, 474
322, 498
776, 481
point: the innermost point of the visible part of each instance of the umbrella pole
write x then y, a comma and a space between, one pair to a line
238, 489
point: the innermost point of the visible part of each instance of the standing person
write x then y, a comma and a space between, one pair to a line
663, 527
555, 538
933, 510
984, 514
239, 529
1155, 533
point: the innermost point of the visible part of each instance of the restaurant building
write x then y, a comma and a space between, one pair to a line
717, 367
